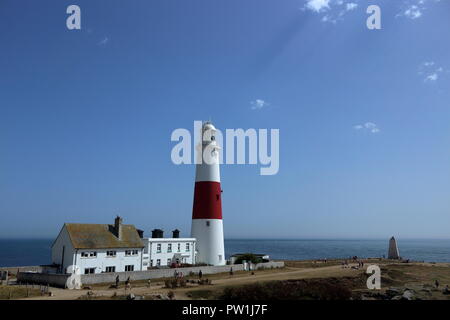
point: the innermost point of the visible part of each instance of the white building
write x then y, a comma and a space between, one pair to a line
165, 252
97, 248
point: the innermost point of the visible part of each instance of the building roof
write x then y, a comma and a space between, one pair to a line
102, 236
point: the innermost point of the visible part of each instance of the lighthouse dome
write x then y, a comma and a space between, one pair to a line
208, 126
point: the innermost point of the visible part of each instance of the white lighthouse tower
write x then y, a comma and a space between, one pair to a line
207, 226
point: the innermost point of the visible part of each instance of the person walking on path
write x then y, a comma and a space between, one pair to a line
117, 281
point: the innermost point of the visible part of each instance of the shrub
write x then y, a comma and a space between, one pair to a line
314, 289
249, 257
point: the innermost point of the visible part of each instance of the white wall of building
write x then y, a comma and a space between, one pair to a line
63, 244
171, 249
101, 261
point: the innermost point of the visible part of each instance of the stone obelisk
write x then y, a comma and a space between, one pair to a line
393, 249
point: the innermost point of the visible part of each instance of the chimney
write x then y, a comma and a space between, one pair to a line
176, 233
118, 227
157, 233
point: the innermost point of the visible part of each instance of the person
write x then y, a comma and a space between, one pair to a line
128, 284
436, 283
117, 281
200, 274
231, 271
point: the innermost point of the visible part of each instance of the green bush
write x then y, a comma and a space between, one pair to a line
249, 257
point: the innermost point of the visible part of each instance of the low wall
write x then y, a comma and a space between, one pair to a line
270, 265
54, 280
87, 279
40, 269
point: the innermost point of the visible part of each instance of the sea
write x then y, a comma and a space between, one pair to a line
28, 252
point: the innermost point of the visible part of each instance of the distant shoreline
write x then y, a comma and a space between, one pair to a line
39, 252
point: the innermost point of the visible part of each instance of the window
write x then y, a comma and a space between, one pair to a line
179, 247
88, 254
169, 247
220, 257
110, 269
129, 267
111, 253
158, 248
187, 247
169, 261
158, 262
145, 250
89, 270
131, 252
151, 263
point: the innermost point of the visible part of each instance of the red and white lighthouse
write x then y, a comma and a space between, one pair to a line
207, 226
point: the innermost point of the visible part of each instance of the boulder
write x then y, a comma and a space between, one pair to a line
408, 294
391, 292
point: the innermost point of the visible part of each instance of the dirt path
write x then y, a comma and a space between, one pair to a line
180, 293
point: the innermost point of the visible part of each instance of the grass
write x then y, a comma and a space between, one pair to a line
201, 294
418, 277
302, 289
329, 263
17, 292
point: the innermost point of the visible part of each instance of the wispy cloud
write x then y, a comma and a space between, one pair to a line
317, 5
104, 41
368, 126
258, 104
413, 12
430, 71
330, 10
432, 77
414, 9
351, 6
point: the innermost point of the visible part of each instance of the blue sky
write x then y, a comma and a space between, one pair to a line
364, 115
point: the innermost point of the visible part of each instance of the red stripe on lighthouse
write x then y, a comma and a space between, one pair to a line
207, 200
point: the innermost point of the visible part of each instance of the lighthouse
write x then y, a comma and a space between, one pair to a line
207, 226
